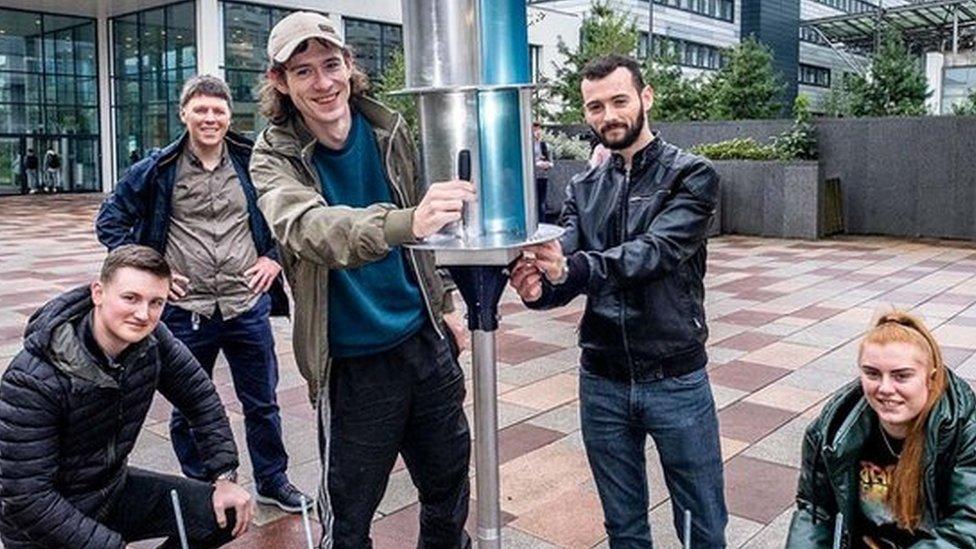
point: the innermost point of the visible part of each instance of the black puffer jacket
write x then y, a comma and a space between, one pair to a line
67, 426
636, 247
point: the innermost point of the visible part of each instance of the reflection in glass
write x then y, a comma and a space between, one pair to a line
155, 52
246, 29
48, 89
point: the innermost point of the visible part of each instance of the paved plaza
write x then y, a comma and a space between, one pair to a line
784, 318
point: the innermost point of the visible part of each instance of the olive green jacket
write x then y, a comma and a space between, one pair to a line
831, 450
315, 237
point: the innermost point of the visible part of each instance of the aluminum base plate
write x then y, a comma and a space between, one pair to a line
497, 249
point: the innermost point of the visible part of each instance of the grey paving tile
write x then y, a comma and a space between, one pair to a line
816, 380
400, 492
532, 370
784, 445
773, 535
513, 538
564, 419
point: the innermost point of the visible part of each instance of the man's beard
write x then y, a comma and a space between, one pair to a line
629, 137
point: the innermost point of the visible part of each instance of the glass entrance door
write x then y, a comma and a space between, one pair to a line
12, 172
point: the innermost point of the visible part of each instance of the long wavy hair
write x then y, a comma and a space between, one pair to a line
906, 496
278, 107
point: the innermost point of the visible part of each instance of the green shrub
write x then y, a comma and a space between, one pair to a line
800, 141
738, 149
564, 147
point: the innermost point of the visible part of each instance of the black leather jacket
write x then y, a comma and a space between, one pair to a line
636, 247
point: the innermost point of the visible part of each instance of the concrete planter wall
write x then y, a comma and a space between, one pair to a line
768, 198
559, 176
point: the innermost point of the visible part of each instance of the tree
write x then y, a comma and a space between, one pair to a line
602, 32
675, 96
746, 87
393, 79
894, 84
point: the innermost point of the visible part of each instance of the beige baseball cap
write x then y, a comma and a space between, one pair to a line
297, 28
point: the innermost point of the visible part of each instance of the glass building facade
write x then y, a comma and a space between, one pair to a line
154, 53
246, 30
48, 102
374, 44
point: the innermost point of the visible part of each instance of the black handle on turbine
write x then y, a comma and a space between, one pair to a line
464, 165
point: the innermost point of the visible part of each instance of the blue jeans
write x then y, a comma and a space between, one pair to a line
248, 345
679, 413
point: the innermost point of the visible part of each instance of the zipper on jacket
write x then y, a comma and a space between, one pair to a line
623, 292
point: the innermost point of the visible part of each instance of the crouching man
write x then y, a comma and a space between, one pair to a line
72, 403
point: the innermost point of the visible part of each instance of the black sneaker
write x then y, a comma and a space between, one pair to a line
286, 497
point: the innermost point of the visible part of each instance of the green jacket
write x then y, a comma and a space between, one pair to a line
315, 237
831, 449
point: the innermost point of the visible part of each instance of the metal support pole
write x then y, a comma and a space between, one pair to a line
955, 30
486, 439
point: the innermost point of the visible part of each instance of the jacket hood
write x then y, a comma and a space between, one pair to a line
42, 325
51, 336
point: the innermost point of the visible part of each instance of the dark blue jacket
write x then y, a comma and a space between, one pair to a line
138, 212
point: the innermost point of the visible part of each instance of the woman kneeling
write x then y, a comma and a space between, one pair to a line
892, 456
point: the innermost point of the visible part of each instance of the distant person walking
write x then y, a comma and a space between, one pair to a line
31, 165
543, 163
52, 171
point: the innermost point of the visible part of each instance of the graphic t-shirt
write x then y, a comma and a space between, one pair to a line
876, 527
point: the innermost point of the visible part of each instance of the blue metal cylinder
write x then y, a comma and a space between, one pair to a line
502, 199
504, 42
504, 60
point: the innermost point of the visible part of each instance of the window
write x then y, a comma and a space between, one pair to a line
849, 6
687, 53
716, 9
48, 80
374, 44
154, 53
49, 96
812, 75
808, 34
246, 30
535, 62
957, 82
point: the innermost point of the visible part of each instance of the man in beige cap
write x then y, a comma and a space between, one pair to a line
337, 181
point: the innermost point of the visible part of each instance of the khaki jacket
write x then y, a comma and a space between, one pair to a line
315, 237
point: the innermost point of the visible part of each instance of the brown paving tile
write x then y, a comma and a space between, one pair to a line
284, 532
816, 313
750, 422
749, 341
760, 295
573, 519
749, 318
759, 490
35, 298
524, 350
748, 283
522, 438
745, 376
401, 529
